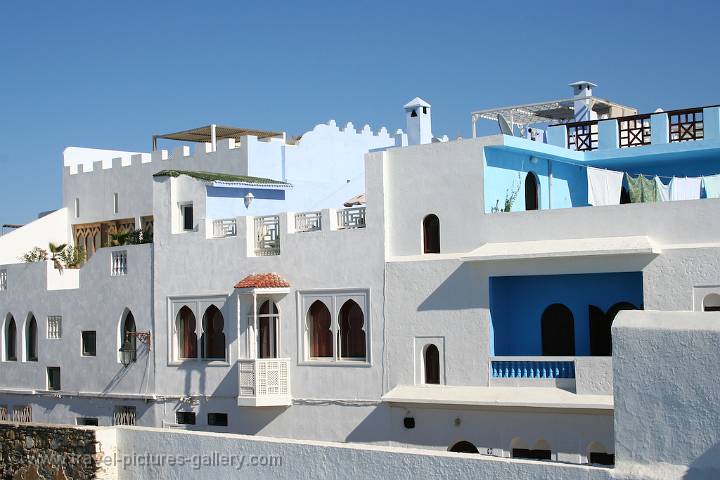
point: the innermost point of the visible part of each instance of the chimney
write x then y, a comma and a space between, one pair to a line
419, 126
582, 93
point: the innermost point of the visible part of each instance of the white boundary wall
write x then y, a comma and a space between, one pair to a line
312, 460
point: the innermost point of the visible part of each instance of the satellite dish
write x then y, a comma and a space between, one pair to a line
505, 127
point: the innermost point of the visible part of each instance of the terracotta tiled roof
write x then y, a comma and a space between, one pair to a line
263, 280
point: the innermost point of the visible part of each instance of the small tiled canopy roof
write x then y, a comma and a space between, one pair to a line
263, 280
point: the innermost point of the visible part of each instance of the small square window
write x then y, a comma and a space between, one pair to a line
87, 421
54, 327
187, 216
218, 419
185, 418
88, 343
53, 378
116, 203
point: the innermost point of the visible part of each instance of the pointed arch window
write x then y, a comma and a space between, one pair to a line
11, 340
352, 333
431, 234
212, 340
127, 338
320, 328
187, 338
31, 340
268, 324
532, 196
337, 327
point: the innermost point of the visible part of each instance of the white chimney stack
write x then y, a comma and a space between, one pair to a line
419, 125
582, 93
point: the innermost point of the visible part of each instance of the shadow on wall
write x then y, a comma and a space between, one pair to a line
459, 291
374, 428
706, 466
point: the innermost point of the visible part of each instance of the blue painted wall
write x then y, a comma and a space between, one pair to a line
229, 202
517, 305
569, 181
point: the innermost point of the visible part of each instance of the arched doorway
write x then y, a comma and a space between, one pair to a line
600, 324
558, 331
532, 197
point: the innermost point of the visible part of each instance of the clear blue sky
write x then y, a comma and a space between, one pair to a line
110, 74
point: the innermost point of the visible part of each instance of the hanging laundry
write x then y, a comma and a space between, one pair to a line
712, 186
685, 188
642, 189
663, 190
604, 186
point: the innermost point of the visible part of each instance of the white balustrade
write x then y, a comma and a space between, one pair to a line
226, 227
351, 218
308, 221
118, 263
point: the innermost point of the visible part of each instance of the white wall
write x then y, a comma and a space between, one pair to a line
38, 233
667, 385
317, 460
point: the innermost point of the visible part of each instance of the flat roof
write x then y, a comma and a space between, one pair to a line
573, 247
499, 397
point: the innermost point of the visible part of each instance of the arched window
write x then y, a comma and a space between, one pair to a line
711, 303
212, 341
532, 198
431, 234
10, 340
600, 323
431, 363
319, 326
187, 338
558, 331
597, 454
127, 339
463, 446
268, 319
352, 335
31, 339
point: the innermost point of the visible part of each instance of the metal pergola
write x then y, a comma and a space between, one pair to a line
554, 111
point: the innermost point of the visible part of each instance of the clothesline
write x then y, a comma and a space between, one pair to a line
649, 175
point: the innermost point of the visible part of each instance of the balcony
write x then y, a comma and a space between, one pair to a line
350, 218
685, 125
589, 375
264, 382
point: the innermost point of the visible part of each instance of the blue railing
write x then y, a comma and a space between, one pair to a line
532, 369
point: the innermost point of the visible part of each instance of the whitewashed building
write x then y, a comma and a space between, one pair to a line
462, 301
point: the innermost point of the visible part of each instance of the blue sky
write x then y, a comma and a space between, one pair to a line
110, 74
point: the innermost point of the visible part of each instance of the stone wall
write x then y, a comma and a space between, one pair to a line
46, 452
